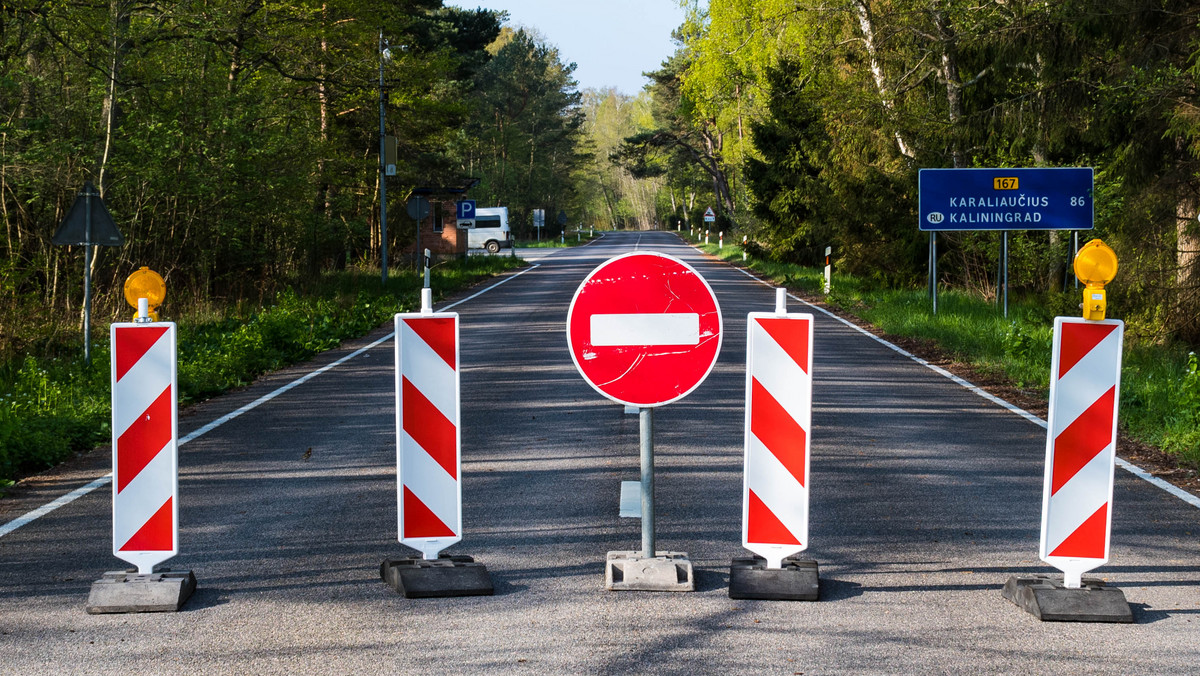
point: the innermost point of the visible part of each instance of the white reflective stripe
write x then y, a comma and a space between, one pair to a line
645, 329
776, 371
1086, 382
142, 384
427, 480
428, 372
777, 488
143, 497
1078, 499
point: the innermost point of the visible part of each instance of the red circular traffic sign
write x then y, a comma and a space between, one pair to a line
644, 329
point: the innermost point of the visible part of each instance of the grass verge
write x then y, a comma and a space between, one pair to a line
53, 407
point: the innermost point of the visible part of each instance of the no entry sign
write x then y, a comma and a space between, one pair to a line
644, 329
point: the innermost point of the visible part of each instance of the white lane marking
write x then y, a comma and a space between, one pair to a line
473, 296
614, 330
1122, 463
45, 509
51, 506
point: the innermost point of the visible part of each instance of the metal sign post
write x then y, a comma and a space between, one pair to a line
418, 209
89, 224
384, 54
646, 447
933, 269
1004, 269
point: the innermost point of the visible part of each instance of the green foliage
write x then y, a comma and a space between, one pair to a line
608, 194
1182, 435
236, 146
523, 136
828, 110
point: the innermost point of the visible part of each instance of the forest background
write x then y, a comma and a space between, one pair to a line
236, 141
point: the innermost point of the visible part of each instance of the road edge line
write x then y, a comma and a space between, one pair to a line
1121, 462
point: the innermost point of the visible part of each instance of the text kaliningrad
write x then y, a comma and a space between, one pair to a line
1018, 202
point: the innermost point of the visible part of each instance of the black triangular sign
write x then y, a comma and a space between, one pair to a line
73, 230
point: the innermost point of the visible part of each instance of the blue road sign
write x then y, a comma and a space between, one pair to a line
466, 209
1006, 199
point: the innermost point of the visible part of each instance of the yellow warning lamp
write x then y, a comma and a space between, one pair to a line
148, 284
1095, 266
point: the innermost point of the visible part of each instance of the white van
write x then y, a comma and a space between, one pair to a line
489, 230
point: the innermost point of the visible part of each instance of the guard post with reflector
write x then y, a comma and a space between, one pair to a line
428, 460
145, 510
777, 441
1081, 446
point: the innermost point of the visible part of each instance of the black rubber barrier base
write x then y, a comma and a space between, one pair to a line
797, 580
121, 591
417, 578
1048, 600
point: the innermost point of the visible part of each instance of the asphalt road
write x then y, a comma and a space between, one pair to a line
925, 499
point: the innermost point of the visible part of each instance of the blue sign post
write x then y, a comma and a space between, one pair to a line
466, 210
1002, 199
1006, 199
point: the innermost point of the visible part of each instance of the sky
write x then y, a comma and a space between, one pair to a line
611, 41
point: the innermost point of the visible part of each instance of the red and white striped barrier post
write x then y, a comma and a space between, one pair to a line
145, 507
428, 458
1081, 450
428, 465
777, 442
144, 431
1081, 445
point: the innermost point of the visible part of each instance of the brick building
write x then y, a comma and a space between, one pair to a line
439, 231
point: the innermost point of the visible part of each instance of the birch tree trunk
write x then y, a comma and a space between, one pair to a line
1187, 260
110, 112
866, 25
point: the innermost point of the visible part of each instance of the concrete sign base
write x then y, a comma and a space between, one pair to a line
797, 580
127, 592
629, 571
446, 576
1048, 600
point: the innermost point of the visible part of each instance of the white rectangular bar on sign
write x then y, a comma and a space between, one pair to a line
681, 328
